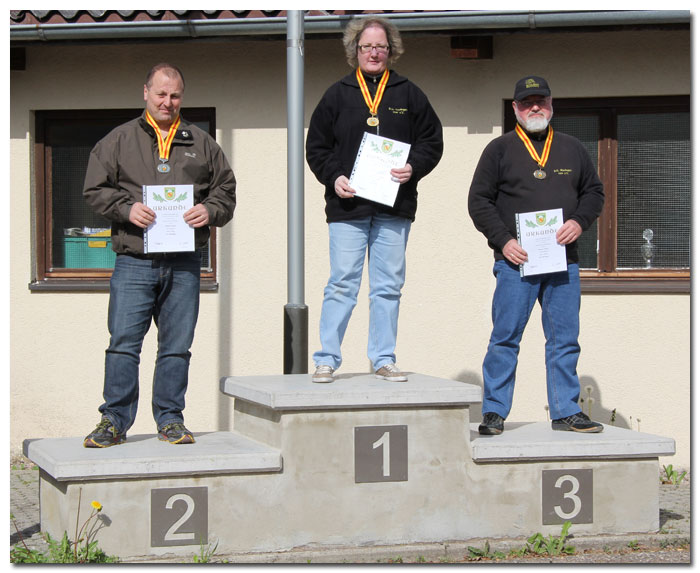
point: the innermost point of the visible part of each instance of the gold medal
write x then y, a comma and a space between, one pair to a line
539, 173
373, 121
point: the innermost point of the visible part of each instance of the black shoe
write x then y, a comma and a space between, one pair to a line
104, 435
175, 433
577, 423
492, 424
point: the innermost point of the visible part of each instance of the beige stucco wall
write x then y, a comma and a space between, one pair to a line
636, 348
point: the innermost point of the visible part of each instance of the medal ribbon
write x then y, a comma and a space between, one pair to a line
373, 105
164, 145
541, 161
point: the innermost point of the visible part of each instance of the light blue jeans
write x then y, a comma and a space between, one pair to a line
383, 239
167, 292
559, 295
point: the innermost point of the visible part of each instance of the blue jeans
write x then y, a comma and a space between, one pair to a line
559, 295
383, 238
167, 291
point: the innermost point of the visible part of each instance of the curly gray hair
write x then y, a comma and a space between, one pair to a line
354, 29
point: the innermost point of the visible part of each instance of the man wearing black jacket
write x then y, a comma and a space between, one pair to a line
531, 169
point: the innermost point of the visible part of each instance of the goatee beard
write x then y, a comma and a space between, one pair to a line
535, 124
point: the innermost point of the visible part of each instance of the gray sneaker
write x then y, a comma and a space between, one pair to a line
324, 373
391, 372
104, 435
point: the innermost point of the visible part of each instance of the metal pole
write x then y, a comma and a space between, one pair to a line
296, 321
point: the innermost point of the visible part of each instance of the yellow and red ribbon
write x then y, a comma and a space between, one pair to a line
164, 145
541, 161
372, 104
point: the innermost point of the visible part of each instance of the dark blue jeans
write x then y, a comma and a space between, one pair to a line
165, 290
559, 295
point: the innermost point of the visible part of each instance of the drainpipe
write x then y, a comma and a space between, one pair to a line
296, 319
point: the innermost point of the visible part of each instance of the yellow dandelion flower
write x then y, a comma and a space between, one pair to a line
97, 505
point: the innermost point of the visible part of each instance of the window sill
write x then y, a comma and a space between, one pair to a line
661, 283
95, 285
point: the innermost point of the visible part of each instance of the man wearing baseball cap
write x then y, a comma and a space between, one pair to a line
534, 169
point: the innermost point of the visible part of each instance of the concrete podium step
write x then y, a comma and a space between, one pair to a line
146, 456
537, 441
349, 391
360, 461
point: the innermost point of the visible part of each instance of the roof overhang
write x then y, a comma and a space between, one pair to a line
448, 22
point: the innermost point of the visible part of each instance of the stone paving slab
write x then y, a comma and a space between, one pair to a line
674, 514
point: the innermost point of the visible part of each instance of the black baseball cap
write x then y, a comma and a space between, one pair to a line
531, 85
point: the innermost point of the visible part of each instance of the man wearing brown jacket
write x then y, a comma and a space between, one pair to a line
158, 148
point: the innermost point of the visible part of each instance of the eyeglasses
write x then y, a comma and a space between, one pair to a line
367, 48
527, 104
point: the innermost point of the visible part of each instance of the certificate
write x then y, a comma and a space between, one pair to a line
371, 176
537, 233
168, 233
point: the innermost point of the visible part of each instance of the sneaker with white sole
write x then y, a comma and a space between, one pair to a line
391, 372
577, 423
323, 374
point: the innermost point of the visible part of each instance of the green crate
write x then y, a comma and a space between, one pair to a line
88, 253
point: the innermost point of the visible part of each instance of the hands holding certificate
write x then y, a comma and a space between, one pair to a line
400, 175
567, 233
143, 216
197, 216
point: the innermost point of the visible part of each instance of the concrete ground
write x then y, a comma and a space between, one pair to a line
670, 545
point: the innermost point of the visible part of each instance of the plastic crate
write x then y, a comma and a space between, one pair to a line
88, 253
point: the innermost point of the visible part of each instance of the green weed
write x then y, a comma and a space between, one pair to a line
64, 551
83, 550
205, 553
551, 545
477, 554
671, 476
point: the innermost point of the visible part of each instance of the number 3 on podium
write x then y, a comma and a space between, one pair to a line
567, 495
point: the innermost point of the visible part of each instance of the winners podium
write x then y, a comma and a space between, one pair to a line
357, 462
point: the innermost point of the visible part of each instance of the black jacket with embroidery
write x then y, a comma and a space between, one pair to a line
336, 129
504, 184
